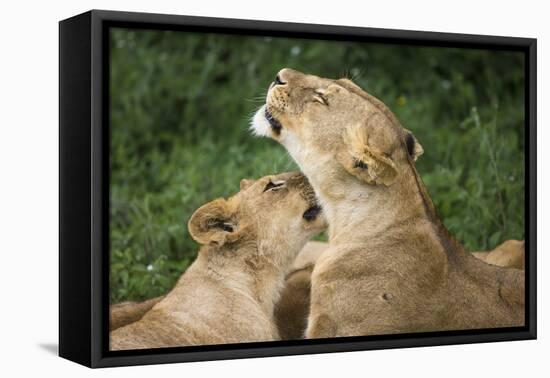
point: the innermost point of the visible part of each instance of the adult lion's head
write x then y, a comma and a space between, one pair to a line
329, 124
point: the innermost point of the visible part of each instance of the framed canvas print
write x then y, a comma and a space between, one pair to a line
234, 188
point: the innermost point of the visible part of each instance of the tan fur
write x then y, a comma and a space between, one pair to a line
228, 294
124, 313
481, 255
391, 266
309, 254
292, 309
510, 254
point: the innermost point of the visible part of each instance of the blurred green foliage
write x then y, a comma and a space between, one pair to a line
181, 104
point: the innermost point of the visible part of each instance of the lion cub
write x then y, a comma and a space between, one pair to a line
290, 311
391, 265
228, 294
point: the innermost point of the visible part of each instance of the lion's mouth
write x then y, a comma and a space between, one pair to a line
273, 122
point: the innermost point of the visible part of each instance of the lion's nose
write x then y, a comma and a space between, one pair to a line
287, 75
278, 81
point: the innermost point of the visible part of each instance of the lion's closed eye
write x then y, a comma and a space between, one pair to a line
274, 185
319, 96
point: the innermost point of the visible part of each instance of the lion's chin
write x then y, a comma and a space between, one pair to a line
259, 125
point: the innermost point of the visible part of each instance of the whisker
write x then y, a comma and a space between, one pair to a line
259, 99
359, 73
345, 73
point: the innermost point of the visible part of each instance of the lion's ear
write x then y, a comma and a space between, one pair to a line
414, 149
367, 152
213, 223
246, 183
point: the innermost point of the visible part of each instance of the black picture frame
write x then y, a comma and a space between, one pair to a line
84, 188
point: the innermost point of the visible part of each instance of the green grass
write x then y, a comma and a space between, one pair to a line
180, 106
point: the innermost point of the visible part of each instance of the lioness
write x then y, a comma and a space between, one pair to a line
391, 266
292, 310
227, 295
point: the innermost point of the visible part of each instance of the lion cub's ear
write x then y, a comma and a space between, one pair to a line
213, 223
367, 151
246, 183
414, 148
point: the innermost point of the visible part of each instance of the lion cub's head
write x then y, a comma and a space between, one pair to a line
332, 128
275, 213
